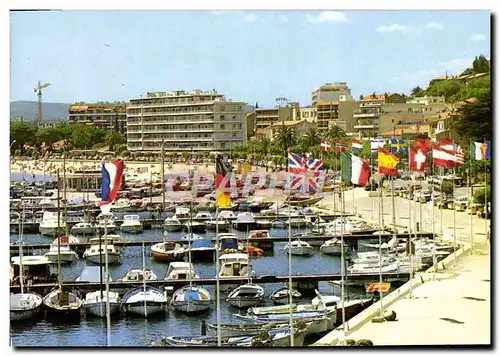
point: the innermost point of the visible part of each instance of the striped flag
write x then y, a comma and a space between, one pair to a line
480, 151
111, 179
340, 146
375, 143
447, 144
356, 146
387, 163
223, 197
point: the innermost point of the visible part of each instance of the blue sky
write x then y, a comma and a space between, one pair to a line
251, 56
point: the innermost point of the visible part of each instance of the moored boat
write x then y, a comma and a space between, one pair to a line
131, 224
62, 304
191, 299
168, 251
245, 295
299, 248
144, 301
282, 295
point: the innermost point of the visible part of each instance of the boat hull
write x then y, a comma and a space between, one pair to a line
50, 231
333, 250
63, 313
167, 256
173, 228
96, 259
191, 306
65, 257
82, 230
25, 315
132, 229
245, 226
150, 308
300, 251
243, 302
99, 308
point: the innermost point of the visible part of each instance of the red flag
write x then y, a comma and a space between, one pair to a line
447, 144
418, 159
443, 158
340, 146
424, 144
325, 146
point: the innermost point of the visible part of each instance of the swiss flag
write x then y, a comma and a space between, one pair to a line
325, 146
418, 159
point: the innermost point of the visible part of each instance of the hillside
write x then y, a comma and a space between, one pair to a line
28, 110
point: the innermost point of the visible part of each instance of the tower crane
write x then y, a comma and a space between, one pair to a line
38, 91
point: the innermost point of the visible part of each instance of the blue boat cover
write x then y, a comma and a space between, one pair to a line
229, 244
201, 243
191, 295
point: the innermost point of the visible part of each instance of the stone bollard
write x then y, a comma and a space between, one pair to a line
390, 315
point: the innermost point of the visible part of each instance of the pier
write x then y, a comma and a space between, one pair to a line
347, 238
85, 286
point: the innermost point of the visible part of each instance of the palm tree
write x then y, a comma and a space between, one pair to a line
335, 132
311, 138
286, 138
264, 147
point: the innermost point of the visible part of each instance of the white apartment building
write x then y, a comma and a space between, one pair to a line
187, 122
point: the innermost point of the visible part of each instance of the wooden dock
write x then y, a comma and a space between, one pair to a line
242, 239
86, 286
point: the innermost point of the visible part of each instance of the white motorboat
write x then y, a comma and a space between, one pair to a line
182, 213
191, 299
181, 271
221, 225
131, 224
139, 274
246, 295
172, 224
95, 252
195, 226
106, 222
233, 265
63, 253
83, 228
245, 222
333, 247
95, 303
228, 242
144, 301
51, 225
168, 251
299, 248
227, 215
203, 215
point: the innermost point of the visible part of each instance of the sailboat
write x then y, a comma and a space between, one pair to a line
144, 300
61, 303
23, 306
95, 302
191, 299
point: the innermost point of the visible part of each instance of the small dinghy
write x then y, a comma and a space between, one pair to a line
62, 304
246, 295
277, 337
282, 295
144, 301
191, 299
24, 306
334, 247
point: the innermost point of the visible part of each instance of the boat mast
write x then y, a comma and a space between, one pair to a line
290, 276
342, 254
144, 278
380, 221
100, 259
217, 280
64, 194
57, 232
190, 236
108, 312
21, 269
163, 175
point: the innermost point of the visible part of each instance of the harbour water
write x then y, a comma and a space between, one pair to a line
135, 331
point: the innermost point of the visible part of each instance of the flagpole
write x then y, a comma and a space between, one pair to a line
454, 221
485, 195
471, 151
372, 175
342, 257
290, 319
380, 221
217, 280
434, 259
410, 250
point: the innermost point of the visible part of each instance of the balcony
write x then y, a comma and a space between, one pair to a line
365, 127
157, 131
360, 115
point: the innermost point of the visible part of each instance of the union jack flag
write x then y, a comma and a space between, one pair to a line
306, 172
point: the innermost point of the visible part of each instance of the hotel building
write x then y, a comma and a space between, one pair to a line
186, 122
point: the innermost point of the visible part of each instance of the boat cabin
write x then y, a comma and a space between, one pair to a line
35, 268
234, 265
181, 271
259, 234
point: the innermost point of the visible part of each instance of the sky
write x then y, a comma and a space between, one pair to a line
250, 56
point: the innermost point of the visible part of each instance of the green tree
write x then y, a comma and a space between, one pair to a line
48, 137
285, 139
417, 92
21, 134
335, 133
114, 138
481, 64
311, 139
475, 119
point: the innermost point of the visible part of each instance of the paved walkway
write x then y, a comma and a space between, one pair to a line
455, 309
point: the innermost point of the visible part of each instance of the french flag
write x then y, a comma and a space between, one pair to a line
111, 180
356, 146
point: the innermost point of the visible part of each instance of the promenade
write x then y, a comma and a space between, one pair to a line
453, 309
